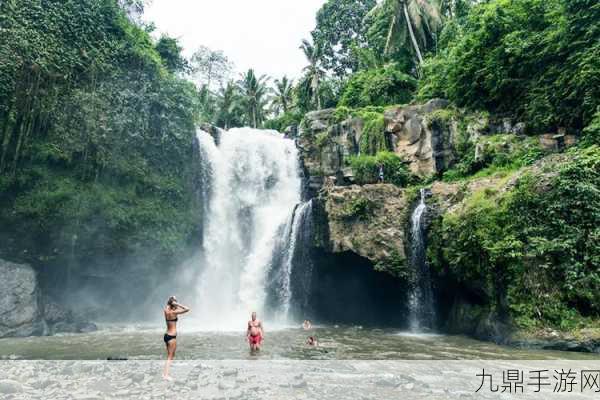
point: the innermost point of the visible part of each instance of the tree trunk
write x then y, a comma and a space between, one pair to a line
412, 34
6, 134
315, 87
20, 133
209, 77
388, 41
318, 99
5, 144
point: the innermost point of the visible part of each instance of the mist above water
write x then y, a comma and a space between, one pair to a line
255, 185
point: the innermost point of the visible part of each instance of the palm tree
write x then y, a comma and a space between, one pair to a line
283, 93
230, 108
313, 70
253, 91
421, 19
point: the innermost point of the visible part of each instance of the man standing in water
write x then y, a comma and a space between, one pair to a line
255, 332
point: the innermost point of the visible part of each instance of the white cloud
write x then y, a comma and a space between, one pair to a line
260, 34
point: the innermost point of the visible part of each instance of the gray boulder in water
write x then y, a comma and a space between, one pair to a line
20, 312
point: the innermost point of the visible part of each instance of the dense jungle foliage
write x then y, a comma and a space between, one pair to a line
535, 60
96, 135
534, 248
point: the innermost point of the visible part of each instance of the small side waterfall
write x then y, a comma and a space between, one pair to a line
301, 260
294, 264
422, 313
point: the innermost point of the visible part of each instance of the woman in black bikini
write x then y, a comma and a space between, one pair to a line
172, 310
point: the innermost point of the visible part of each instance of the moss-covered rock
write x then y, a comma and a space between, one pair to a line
431, 138
369, 221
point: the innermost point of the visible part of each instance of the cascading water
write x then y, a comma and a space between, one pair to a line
422, 313
293, 271
254, 188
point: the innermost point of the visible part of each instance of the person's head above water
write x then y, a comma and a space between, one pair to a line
172, 301
253, 315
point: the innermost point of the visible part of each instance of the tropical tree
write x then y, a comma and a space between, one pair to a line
207, 102
210, 68
230, 108
414, 21
456, 8
283, 94
314, 72
340, 28
253, 90
170, 52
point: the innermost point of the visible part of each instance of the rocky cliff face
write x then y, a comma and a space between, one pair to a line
412, 132
371, 220
430, 137
425, 143
24, 311
369, 224
368, 221
324, 145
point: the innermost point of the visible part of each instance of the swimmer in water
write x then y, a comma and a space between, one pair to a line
312, 341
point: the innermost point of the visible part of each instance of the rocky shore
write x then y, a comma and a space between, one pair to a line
233, 380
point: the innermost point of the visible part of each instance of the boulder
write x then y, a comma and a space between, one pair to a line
55, 313
212, 130
428, 136
422, 141
291, 131
318, 121
24, 311
556, 142
20, 311
62, 320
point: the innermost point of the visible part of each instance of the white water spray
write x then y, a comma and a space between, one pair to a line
255, 186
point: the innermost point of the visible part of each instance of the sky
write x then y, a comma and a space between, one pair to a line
260, 34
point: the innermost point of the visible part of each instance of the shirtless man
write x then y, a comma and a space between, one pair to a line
255, 333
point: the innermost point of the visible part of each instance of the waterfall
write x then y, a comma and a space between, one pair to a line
301, 273
255, 186
422, 313
291, 278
